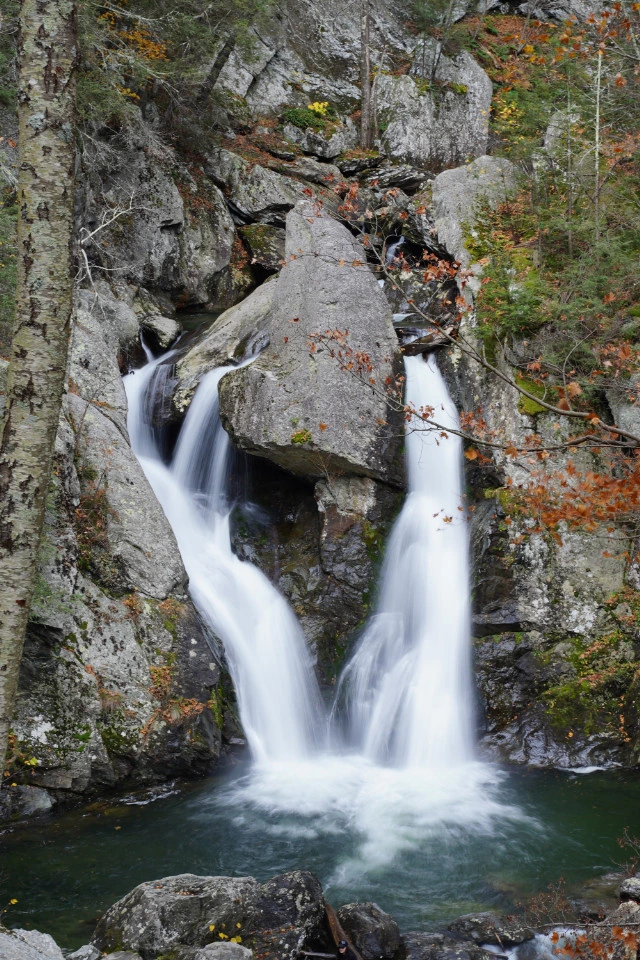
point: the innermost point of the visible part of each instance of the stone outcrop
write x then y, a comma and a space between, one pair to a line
540, 604
159, 233
319, 48
630, 889
215, 951
440, 946
254, 193
436, 129
491, 928
119, 679
295, 405
274, 919
28, 945
458, 194
325, 145
373, 932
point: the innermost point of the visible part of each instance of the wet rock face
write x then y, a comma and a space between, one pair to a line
439, 946
322, 553
238, 331
118, 675
275, 919
289, 914
373, 932
491, 928
294, 405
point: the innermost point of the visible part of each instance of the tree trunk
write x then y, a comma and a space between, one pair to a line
366, 132
596, 192
47, 52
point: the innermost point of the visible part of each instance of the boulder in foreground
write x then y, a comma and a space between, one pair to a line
275, 919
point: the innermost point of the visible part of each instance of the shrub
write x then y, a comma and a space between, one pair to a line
304, 118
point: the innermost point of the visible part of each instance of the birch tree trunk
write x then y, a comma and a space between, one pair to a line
47, 55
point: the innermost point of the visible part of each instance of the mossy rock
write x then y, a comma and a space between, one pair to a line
266, 245
525, 405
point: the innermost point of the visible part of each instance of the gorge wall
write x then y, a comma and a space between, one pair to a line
121, 682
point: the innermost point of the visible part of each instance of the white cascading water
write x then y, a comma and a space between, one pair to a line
408, 687
409, 780
277, 694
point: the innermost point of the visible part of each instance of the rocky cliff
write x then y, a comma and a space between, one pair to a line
255, 224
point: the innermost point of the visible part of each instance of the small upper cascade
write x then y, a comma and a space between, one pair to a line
408, 685
277, 695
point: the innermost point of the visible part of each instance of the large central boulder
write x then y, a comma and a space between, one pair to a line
296, 404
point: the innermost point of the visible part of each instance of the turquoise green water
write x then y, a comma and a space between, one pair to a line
66, 871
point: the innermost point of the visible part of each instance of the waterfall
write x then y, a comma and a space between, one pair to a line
407, 687
408, 684
409, 781
277, 694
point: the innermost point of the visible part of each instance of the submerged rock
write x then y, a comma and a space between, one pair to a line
17, 802
373, 932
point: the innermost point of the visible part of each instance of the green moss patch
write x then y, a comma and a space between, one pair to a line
525, 404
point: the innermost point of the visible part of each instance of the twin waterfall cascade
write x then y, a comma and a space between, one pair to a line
407, 688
